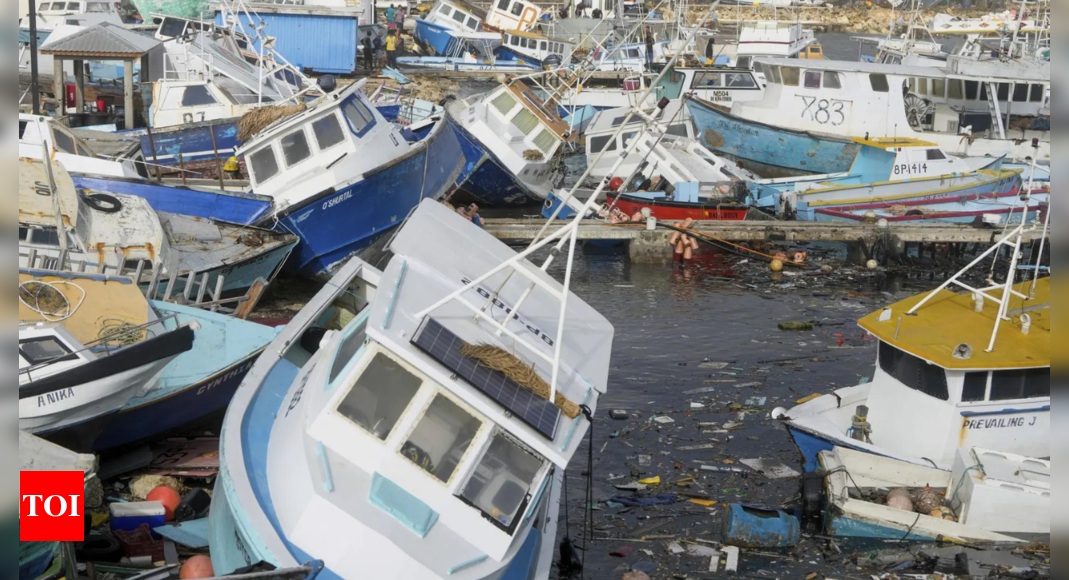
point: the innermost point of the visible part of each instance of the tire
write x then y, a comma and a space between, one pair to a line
103, 203
100, 549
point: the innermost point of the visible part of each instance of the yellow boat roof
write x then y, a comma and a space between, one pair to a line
525, 34
36, 206
893, 142
948, 320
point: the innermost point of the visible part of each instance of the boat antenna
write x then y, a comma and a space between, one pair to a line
1013, 240
567, 234
35, 93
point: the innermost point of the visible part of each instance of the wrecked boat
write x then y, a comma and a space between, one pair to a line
511, 140
108, 312
117, 234
939, 385
376, 437
988, 496
915, 176
76, 372
341, 176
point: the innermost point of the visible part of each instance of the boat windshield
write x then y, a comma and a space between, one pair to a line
503, 481
913, 372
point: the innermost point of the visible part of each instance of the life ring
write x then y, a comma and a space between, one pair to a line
103, 203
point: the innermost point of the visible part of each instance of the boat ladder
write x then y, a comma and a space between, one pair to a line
993, 108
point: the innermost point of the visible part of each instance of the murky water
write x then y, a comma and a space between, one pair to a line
675, 330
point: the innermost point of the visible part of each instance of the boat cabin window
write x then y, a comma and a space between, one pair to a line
441, 438
459, 16
832, 81
514, 40
263, 164
935, 155
328, 132
525, 121
63, 142
543, 45
972, 88
47, 236
172, 27
939, 88
633, 53
913, 372
1003, 92
747, 61
97, 7
597, 144
24, 233
1020, 93
380, 396
503, 103
503, 4
1037, 93
545, 141
198, 96
1020, 384
295, 148
790, 76
957, 91
678, 129
473, 23
357, 114
444, 10
42, 350
879, 83
351, 343
517, 9
740, 81
812, 79
775, 78
501, 484
709, 80
975, 387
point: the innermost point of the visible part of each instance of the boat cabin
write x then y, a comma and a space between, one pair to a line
722, 86
513, 15
536, 47
839, 98
772, 39
456, 15
321, 149
70, 150
529, 127
933, 373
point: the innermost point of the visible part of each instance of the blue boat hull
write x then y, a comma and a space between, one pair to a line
193, 142
235, 208
770, 146
488, 181
337, 224
432, 36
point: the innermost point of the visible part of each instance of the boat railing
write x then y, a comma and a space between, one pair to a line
108, 341
184, 288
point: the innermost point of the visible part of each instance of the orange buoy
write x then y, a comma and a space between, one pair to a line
168, 497
196, 568
615, 183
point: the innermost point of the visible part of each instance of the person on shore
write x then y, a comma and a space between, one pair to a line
380, 50
684, 245
391, 49
390, 13
649, 49
597, 14
368, 44
399, 18
710, 52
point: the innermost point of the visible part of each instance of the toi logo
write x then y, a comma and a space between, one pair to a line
51, 506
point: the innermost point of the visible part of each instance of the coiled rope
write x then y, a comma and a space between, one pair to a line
46, 299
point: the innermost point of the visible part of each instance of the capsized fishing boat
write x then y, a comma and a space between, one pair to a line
341, 176
511, 141
988, 496
376, 435
73, 374
115, 233
938, 374
888, 173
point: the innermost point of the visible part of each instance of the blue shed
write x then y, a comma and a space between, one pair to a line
316, 38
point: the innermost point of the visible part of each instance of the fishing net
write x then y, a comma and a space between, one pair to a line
501, 360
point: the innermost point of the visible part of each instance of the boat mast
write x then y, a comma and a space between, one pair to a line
35, 94
1013, 240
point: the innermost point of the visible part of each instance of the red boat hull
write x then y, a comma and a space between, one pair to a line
667, 210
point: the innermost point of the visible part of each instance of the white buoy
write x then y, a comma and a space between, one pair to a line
872, 264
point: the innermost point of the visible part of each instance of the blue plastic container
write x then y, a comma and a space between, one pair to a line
750, 527
128, 516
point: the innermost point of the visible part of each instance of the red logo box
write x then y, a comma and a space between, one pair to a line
51, 506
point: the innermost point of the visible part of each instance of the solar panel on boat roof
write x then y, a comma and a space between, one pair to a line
441, 344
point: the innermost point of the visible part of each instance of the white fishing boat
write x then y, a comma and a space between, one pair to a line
380, 446
38, 134
65, 382
722, 86
988, 496
116, 233
937, 372
512, 141
811, 109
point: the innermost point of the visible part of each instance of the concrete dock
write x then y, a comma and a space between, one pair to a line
651, 246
